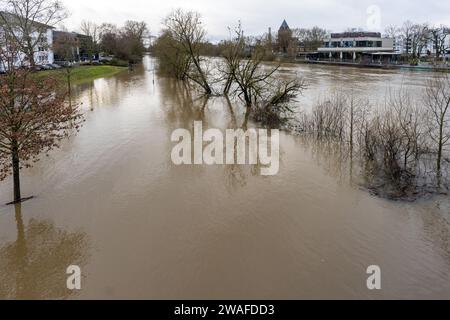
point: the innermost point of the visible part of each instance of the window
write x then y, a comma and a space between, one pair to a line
348, 44
335, 44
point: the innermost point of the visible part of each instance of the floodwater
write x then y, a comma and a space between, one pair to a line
111, 201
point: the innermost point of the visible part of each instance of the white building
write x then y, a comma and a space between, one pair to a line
43, 50
353, 45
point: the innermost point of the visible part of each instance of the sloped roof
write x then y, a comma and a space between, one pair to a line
10, 17
284, 25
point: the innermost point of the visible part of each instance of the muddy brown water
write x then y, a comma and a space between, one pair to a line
111, 201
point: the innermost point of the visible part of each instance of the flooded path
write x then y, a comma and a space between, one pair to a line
111, 201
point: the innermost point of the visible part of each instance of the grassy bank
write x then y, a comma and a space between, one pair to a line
83, 74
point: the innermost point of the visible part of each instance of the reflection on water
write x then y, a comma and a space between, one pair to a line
34, 265
162, 231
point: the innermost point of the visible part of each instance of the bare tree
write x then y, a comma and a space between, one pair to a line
232, 52
187, 29
28, 21
131, 41
127, 43
136, 29
254, 83
310, 39
407, 31
91, 30
392, 31
357, 109
108, 37
409, 119
419, 39
173, 60
438, 37
64, 47
437, 101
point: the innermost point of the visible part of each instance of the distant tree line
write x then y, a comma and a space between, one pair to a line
416, 37
310, 39
127, 43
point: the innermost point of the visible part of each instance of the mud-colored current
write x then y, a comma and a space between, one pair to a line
111, 201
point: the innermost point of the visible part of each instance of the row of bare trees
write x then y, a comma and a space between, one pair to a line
395, 140
310, 39
417, 36
127, 43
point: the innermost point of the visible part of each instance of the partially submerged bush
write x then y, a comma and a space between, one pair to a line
393, 142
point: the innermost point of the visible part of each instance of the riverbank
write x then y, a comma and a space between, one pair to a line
83, 74
369, 66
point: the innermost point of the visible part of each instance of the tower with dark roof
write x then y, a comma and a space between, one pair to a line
284, 26
284, 37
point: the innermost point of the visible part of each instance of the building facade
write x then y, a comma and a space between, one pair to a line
80, 49
43, 50
285, 39
356, 46
44, 53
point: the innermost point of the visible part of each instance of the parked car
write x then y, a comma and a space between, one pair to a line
103, 58
47, 67
38, 68
55, 66
64, 64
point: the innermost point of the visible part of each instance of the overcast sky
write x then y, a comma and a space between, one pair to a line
257, 15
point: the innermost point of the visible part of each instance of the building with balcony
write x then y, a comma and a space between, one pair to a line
357, 47
43, 50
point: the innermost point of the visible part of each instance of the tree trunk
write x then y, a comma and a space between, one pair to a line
16, 174
440, 147
352, 116
69, 86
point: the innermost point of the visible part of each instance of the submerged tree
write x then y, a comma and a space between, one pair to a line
64, 46
173, 61
34, 118
264, 94
437, 102
187, 30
